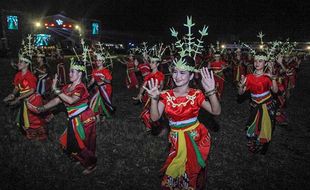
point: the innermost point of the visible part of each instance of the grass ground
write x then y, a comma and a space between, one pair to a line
129, 158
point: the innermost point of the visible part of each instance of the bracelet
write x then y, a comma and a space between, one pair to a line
206, 93
212, 93
57, 91
155, 98
41, 109
273, 77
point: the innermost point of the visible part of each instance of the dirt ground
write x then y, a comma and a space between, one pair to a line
129, 158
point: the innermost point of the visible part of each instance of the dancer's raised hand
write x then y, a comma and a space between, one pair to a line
153, 88
207, 79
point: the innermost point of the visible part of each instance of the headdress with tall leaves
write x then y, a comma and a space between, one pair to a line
75, 64
27, 50
103, 54
188, 47
157, 51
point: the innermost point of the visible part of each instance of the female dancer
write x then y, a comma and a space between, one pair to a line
101, 101
262, 113
190, 140
217, 67
131, 79
79, 139
43, 75
30, 123
238, 68
145, 99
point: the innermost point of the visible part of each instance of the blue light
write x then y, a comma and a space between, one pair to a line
12, 22
41, 39
59, 22
95, 28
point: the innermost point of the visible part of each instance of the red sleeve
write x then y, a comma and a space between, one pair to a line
139, 67
163, 97
147, 77
247, 82
161, 77
16, 80
32, 82
93, 73
107, 74
200, 97
269, 82
79, 91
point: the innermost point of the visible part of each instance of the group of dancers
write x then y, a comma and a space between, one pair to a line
176, 82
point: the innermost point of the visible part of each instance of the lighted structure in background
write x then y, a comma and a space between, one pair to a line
95, 28
12, 22
41, 40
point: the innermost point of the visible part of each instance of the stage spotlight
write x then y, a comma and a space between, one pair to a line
308, 47
261, 46
77, 27
223, 46
37, 24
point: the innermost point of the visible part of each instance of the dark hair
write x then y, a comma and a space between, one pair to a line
261, 53
189, 61
27, 57
139, 59
83, 77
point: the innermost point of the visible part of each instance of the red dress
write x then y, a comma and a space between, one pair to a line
29, 121
131, 79
219, 78
145, 115
190, 141
79, 139
101, 101
262, 114
145, 69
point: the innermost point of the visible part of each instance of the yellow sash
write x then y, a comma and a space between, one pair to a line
177, 167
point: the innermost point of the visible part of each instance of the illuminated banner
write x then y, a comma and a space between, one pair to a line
41, 39
12, 22
95, 28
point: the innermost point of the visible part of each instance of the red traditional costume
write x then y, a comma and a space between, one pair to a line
145, 115
131, 79
190, 141
261, 121
217, 67
29, 121
145, 69
79, 139
101, 101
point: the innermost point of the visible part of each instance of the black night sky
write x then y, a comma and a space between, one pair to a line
228, 20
